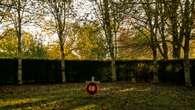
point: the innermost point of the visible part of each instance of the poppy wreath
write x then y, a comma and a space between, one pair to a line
92, 88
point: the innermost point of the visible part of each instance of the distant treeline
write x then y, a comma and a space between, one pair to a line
48, 71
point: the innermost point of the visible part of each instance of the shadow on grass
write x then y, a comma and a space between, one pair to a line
114, 96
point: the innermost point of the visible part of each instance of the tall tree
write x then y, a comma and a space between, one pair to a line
60, 11
16, 18
119, 12
162, 27
104, 12
172, 7
19, 35
152, 24
187, 18
151, 16
180, 24
111, 14
180, 17
20, 13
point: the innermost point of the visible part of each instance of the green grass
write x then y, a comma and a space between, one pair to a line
114, 96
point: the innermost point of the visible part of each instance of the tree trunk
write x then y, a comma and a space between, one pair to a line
109, 37
162, 29
187, 34
63, 71
113, 67
176, 41
113, 62
19, 35
62, 62
19, 56
174, 29
19, 76
155, 67
187, 63
133, 79
155, 45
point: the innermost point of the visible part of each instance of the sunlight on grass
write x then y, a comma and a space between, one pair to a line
14, 101
144, 90
127, 90
135, 89
106, 89
86, 107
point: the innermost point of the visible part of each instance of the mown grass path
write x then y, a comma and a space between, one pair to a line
114, 96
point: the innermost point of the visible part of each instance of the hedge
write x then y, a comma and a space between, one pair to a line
48, 71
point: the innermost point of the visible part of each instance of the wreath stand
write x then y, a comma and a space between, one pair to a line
92, 87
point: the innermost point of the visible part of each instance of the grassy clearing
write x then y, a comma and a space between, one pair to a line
114, 96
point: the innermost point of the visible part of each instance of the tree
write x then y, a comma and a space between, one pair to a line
162, 27
16, 16
181, 26
111, 14
187, 20
175, 26
8, 43
105, 19
119, 13
31, 47
90, 44
133, 44
60, 11
155, 21
151, 12
5, 7
180, 16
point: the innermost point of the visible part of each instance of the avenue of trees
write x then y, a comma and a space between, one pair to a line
109, 30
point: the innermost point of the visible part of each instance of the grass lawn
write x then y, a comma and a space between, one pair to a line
114, 96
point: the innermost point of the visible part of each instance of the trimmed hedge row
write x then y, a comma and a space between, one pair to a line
48, 71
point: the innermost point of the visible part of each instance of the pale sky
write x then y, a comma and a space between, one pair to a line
83, 8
